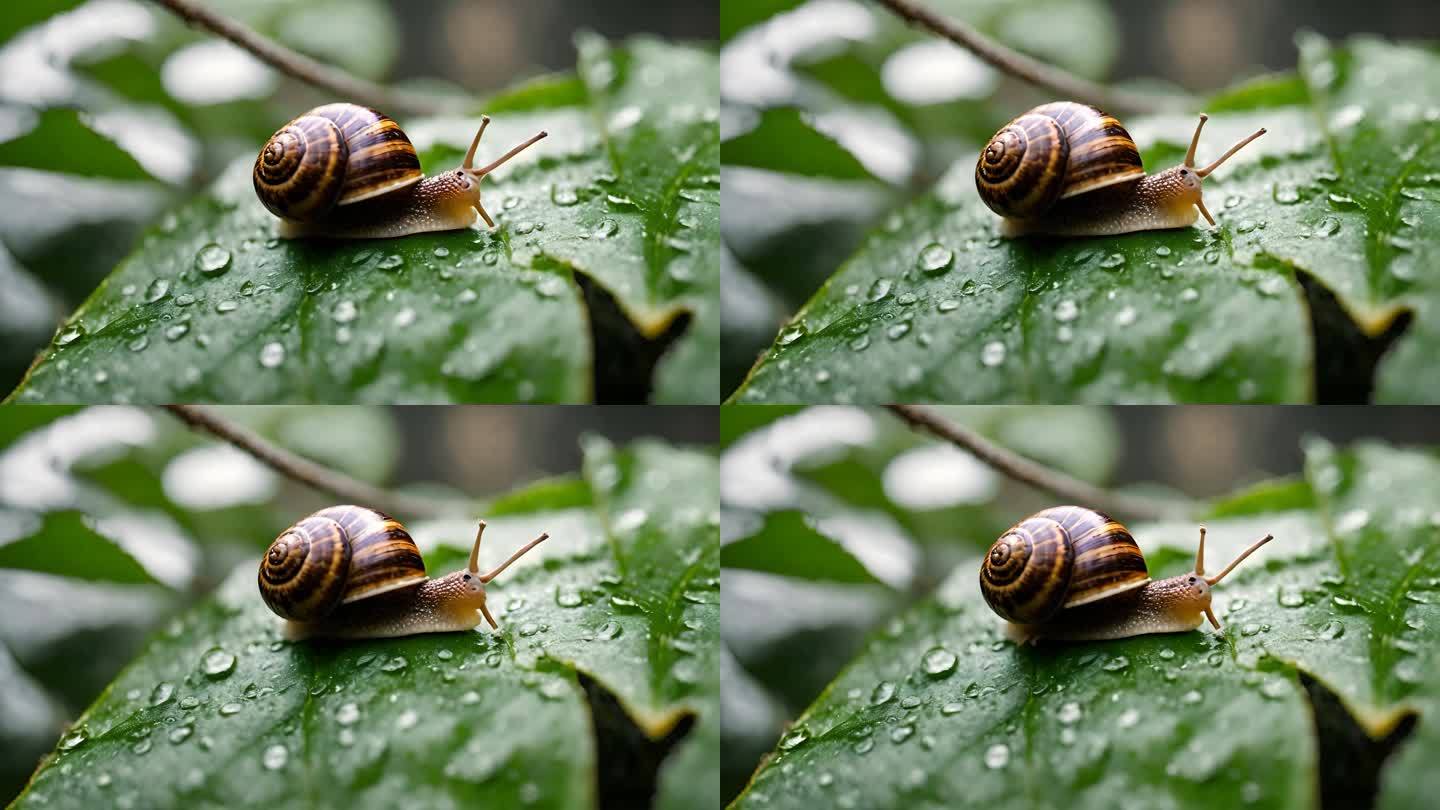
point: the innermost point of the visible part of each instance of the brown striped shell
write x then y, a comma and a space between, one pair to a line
333, 155
1060, 558
337, 555
1054, 151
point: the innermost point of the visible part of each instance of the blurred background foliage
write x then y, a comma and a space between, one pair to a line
188, 510
896, 512
111, 110
834, 113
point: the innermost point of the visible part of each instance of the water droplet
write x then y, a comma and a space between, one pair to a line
180, 734
1129, 718
223, 307
1066, 311
898, 330
879, 289
391, 262
794, 739
993, 354
1116, 664
1113, 261
563, 195
176, 331
1292, 596
997, 756
1192, 697
938, 662
1329, 226
952, 708
608, 630
1162, 251
407, 720
229, 709
900, 734
906, 299
792, 333
1286, 194
441, 252
395, 664
275, 757
162, 693
935, 258
212, 260
139, 344
189, 702
142, 747
1070, 713
1274, 688
272, 355
103, 780
69, 335
948, 305
1167, 654
404, 318
1125, 317
864, 745
568, 597
860, 344
74, 739
1189, 294
1332, 630
157, 289
883, 693
347, 714
1211, 256
606, 229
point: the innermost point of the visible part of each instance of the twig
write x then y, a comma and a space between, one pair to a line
326, 77
1036, 475
1041, 74
305, 471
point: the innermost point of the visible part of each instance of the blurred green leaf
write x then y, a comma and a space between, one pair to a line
61, 141
65, 544
789, 544
29, 12
737, 15
784, 140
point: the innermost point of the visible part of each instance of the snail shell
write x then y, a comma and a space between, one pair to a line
335, 556
1060, 558
333, 155
1057, 150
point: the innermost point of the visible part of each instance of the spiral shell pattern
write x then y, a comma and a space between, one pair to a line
333, 155
1059, 558
337, 555
1054, 151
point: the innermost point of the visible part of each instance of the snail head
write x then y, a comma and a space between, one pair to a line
469, 177
1200, 585
1187, 178
472, 583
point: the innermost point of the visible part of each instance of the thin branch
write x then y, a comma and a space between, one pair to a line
1016, 466
326, 77
1041, 74
350, 490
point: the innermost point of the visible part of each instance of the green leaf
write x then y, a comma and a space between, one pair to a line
212, 307
65, 544
61, 141
937, 307
784, 140
218, 709
1345, 594
789, 544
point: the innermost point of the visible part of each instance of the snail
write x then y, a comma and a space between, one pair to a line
1074, 574
353, 572
1068, 169
346, 171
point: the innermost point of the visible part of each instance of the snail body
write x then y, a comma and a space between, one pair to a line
1074, 574
347, 171
353, 572
1068, 169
